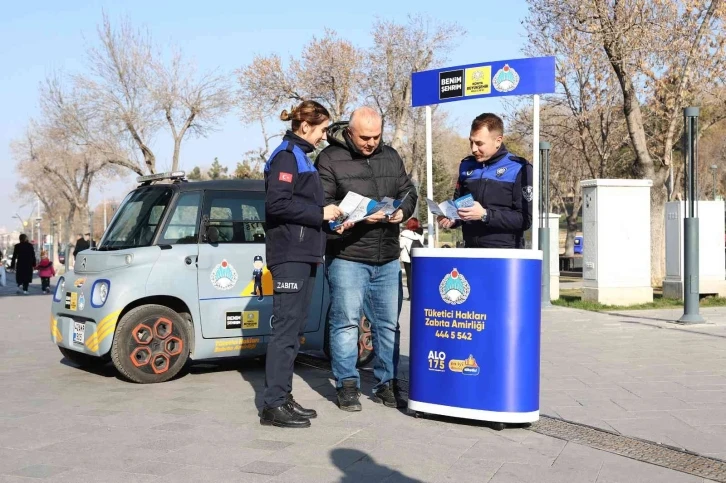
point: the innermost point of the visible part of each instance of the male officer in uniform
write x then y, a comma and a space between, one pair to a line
501, 184
257, 275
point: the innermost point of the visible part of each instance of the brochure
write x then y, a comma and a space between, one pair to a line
449, 208
357, 207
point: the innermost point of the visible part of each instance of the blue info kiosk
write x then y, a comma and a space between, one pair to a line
476, 313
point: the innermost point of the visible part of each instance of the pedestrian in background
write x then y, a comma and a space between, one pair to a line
295, 214
411, 237
45, 271
23, 263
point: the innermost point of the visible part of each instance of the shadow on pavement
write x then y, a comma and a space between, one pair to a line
359, 467
10, 290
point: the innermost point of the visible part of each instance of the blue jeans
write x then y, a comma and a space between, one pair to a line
376, 291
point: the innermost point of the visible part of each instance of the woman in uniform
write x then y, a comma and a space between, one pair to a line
295, 245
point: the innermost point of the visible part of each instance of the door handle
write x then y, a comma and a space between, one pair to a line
188, 260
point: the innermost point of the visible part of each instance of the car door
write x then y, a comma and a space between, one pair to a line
175, 271
226, 269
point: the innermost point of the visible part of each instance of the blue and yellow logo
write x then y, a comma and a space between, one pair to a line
468, 367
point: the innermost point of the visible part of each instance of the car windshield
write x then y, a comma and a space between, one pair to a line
137, 219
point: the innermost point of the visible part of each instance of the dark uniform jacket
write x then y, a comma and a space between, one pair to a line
503, 186
344, 168
294, 202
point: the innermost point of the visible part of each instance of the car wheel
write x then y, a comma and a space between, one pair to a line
83, 360
151, 344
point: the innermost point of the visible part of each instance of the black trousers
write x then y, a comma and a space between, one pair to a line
24, 285
293, 285
44, 282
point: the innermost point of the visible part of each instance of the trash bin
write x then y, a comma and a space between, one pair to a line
475, 333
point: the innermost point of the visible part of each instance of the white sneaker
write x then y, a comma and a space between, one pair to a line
25, 292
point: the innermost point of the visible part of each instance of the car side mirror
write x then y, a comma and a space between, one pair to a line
212, 234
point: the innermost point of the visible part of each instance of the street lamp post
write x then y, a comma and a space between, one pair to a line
714, 168
691, 290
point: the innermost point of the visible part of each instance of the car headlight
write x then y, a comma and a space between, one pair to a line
99, 292
59, 289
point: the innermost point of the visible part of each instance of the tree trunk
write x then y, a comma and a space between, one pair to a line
658, 198
175, 159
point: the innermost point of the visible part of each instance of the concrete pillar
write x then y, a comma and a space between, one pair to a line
712, 276
616, 241
554, 256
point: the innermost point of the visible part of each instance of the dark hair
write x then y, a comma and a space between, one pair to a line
23, 238
492, 122
309, 111
413, 224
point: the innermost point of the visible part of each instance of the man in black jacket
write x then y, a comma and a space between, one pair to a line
501, 185
362, 264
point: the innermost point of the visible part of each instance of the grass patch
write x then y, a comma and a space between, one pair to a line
573, 299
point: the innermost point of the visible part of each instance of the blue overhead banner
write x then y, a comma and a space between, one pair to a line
517, 77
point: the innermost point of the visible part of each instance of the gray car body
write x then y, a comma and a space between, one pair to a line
180, 277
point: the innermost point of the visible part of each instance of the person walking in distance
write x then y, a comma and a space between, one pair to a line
501, 184
295, 215
363, 268
23, 263
45, 271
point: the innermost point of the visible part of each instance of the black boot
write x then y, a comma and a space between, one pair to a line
389, 396
299, 410
283, 417
348, 396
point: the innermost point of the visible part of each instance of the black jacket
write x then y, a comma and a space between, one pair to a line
294, 203
23, 262
81, 244
503, 186
342, 169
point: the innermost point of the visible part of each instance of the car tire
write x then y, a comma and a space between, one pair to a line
365, 341
151, 344
82, 360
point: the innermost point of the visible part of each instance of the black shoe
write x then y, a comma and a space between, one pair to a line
283, 417
299, 410
348, 396
389, 396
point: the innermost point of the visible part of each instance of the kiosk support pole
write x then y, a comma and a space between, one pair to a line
544, 231
430, 176
535, 170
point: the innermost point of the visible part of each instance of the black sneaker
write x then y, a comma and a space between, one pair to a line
306, 413
389, 396
283, 417
348, 396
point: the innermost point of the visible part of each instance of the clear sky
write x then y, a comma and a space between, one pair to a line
39, 37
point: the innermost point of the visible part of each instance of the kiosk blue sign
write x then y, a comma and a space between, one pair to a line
475, 334
516, 77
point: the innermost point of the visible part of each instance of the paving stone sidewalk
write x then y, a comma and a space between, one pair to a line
640, 377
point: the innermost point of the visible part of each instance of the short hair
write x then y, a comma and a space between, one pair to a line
413, 224
23, 238
492, 122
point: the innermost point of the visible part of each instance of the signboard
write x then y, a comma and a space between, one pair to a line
475, 332
515, 77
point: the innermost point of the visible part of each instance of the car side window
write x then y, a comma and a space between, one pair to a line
183, 226
238, 215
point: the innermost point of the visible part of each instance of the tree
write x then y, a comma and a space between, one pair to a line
246, 170
217, 171
327, 71
664, 54
398, 51
130, 93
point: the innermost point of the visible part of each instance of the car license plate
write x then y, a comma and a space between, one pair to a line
79, 332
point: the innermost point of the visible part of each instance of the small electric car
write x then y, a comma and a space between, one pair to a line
179, 274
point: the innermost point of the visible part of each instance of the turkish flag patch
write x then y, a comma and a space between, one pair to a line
286, 177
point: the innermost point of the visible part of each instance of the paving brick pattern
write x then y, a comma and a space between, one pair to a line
637, 377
